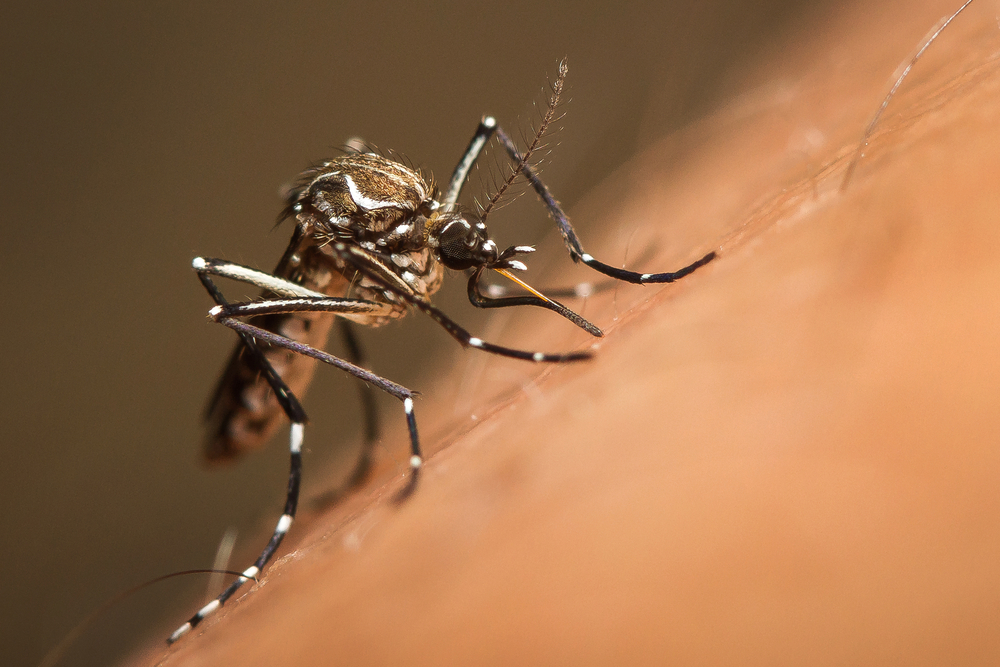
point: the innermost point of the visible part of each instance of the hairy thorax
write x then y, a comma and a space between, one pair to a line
379, 205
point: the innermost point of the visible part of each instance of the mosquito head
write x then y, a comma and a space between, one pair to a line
463, 242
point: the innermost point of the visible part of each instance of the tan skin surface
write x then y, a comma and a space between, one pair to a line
790, 457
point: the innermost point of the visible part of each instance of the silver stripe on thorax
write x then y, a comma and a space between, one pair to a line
363, 201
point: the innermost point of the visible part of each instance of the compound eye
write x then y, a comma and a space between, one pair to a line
458, 244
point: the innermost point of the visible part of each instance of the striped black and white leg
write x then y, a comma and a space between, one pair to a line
364, 263
487, 128
227, 313
571, 239
297, 416
289, 403
369, 265
284, 523
327, 304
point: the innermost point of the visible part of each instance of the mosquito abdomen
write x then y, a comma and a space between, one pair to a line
244, 413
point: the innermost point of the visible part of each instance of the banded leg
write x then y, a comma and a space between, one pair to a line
249, 334
226, 313
488, 127
290, 404
368, 265
388, 386
572, 241
579, 291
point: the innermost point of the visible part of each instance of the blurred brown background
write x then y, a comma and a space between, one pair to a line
136, 137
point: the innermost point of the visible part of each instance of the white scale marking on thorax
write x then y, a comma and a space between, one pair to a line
363, 201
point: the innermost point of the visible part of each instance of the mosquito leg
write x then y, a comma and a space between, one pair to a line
345, 307
370, 266
284, 523
388, 386
483, 133
356, 355
416, 458
297, 416
290, 404
465, 338
244, 274
226, 315
581, 290
487, 128
572, 241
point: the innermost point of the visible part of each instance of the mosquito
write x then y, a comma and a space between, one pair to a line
372, 240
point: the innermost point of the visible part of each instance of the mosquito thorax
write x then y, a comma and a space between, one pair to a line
366, 198
461, 240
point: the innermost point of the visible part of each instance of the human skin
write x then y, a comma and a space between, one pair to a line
789, 457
